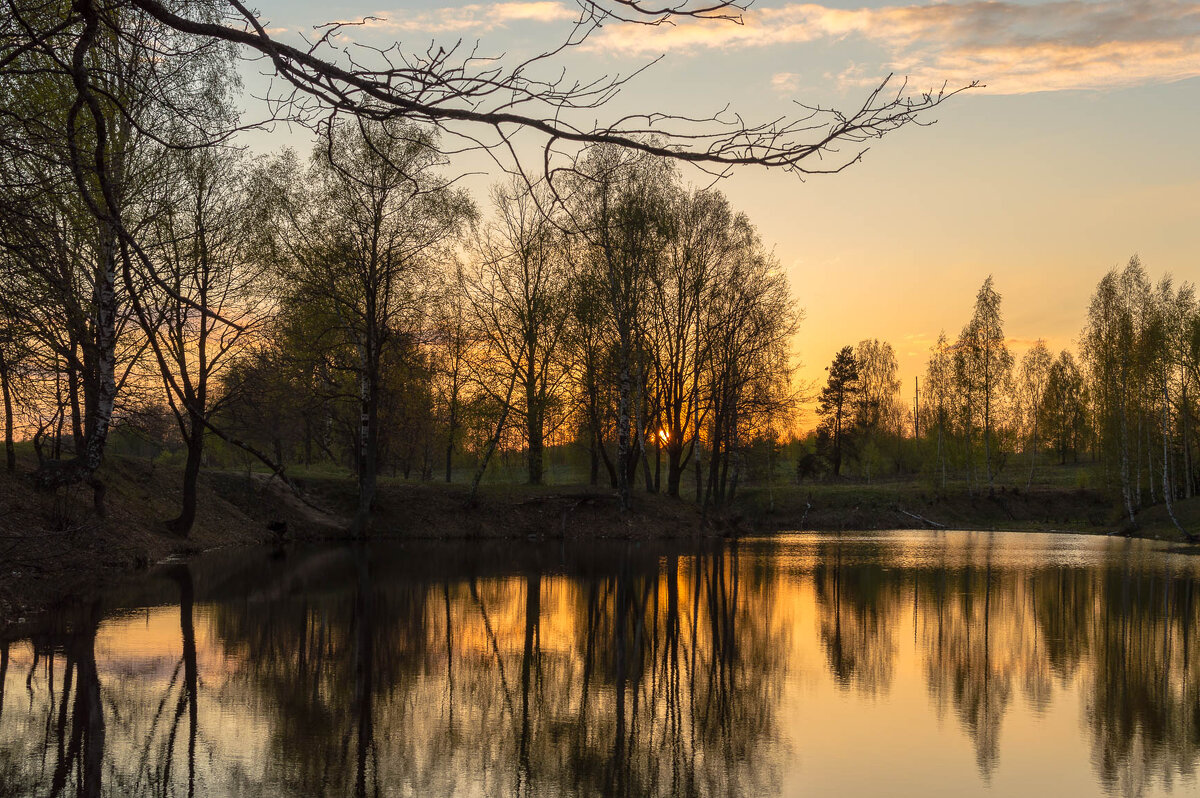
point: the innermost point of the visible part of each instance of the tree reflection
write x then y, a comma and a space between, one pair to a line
858, 605
639, 677
964, 664
619, 670
59, 747
1143, 706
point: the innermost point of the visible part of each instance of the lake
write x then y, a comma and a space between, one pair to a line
859, 664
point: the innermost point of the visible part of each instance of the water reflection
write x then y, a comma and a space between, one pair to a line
816, 663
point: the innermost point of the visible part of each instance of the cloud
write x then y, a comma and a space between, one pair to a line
1014, 48
475, 17
785, 82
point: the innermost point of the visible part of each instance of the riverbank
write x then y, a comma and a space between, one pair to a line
55, 546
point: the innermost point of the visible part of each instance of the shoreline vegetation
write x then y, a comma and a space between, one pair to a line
55, 548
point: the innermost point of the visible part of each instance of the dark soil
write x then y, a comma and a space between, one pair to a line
55, 548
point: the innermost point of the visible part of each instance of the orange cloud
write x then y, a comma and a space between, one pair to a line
1013, 48
474, 17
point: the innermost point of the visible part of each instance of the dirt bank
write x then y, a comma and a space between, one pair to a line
53, 547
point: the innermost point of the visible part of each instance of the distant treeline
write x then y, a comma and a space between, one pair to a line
1127, 402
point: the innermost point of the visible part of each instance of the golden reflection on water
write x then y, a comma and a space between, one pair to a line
898, 664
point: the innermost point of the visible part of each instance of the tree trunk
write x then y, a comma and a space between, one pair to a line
106, 338
10, 453
594, 456
1166, 480
625, 390
3, 674
733, 481
657, 463
1137, 464
987, 442
837, 443
493, 442
73, 381
1032, 451
1150, 463
598, 439
536, 445
674, 467
1188, 488
191, 474
452, 428
1126, 488
970, 449
368, 442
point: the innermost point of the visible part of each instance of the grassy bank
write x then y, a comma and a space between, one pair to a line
914, 505
55, 545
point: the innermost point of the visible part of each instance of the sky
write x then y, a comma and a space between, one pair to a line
1077, 152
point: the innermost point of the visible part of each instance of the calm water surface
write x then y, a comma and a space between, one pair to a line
940, 664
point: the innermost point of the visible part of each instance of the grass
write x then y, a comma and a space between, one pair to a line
1062, 497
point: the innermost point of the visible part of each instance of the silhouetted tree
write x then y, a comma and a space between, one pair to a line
837, 401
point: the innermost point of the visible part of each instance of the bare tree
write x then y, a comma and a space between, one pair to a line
452, 344
362, 239
203, 252
618, 213
701, 232
105, 89
518, 289
749, 369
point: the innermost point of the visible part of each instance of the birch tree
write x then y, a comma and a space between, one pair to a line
939, 397
361, 237
1064, 405
1109, 343
877, 406
987, 367
1035, 373
617, 213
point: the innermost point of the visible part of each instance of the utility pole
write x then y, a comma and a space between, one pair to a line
916, 408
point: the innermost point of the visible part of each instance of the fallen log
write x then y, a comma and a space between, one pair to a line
922, 519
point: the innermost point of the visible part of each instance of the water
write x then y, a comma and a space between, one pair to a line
896, 664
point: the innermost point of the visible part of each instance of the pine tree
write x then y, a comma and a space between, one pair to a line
837, 400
